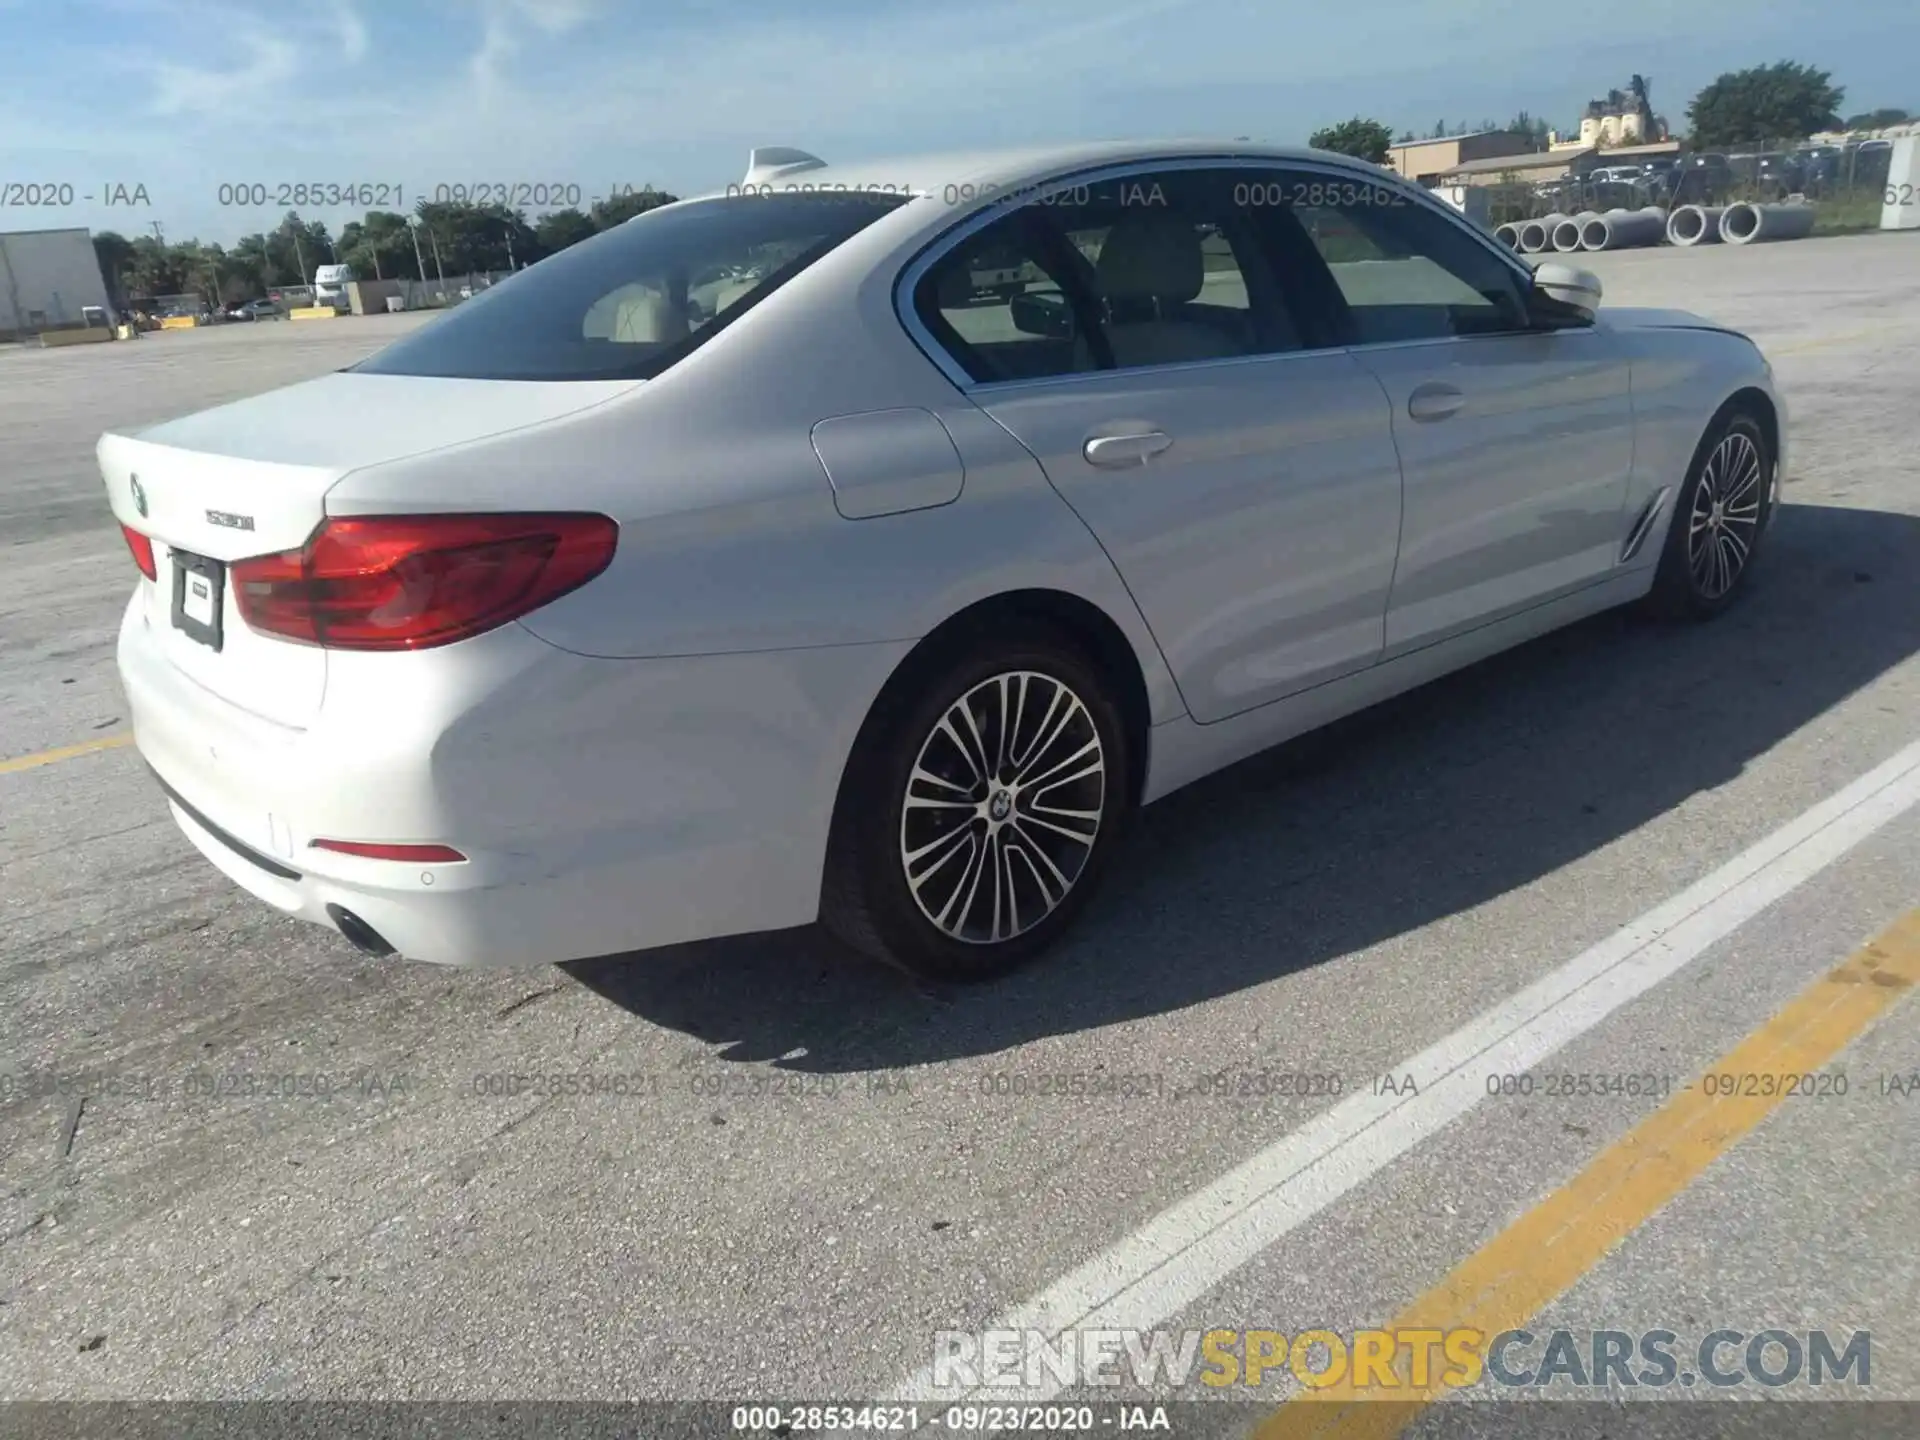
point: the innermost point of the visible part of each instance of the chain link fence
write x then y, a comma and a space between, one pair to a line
377, 296
432, 294
1846, 182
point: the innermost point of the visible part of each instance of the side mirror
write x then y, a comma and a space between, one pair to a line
1566, 288
1045, 313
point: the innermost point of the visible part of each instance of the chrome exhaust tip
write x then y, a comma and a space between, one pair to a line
362, 936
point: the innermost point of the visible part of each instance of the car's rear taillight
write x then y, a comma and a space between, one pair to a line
142, 549
409, 582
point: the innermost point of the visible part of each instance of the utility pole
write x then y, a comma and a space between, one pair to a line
419, 264
300, 258
434, 241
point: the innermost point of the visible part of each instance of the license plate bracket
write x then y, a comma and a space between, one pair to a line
199, 592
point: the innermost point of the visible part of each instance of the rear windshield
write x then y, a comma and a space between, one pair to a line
637, 298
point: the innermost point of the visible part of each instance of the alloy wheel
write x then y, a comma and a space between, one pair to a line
1004, 803
1726, 515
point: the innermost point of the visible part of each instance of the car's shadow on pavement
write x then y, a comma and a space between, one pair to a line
1422, 808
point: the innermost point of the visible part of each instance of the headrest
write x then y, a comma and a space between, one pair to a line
1152, 255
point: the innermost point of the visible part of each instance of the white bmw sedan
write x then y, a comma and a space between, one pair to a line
866, 544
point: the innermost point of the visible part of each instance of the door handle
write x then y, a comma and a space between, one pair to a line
1116, 451
1434, 401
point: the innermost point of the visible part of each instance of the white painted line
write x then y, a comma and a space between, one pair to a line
1187, 1249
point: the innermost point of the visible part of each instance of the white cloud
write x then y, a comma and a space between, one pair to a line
270, 61
352, 32
497, 45
503, 26
555, 17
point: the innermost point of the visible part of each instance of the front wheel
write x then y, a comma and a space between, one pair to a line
1718, 522
980, 812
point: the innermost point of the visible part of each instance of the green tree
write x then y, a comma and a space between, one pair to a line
290, 252
154, 270
1782, 101
1361, 138
509, 241
617, 209
558, 229
472, 238
115, 254
1532, 126
204, 272
255, 258
1878, 119
378, 247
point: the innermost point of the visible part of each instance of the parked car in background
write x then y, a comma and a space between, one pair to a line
1764, 175
1612, 195
1821, 166
1656, 179
1703, 179
254, 310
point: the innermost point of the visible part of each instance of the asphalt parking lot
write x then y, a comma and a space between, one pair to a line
269, 1167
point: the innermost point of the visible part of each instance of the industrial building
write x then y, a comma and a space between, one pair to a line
48, 279
1537, 167
1427, 160
1622, 117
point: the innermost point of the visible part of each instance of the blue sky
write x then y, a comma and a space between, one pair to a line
179, 96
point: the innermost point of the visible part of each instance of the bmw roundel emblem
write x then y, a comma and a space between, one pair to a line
139, 494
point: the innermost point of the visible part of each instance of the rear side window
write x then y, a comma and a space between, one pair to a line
633, 301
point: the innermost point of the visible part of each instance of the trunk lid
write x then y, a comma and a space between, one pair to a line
251, 478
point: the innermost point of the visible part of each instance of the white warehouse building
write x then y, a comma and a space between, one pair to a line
47, 279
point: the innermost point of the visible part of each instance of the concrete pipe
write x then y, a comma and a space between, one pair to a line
1565, 237
1745, 223
1537, 235
1508, 235
1622, 230
1695, 225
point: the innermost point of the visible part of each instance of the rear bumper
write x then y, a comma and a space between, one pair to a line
604, 805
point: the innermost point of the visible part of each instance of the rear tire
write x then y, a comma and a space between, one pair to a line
980, 810
1719, 520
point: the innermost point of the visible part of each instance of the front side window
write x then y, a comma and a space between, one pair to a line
635, 299
1143, 270
1403, 271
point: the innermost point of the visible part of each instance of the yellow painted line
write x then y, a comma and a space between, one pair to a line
65, 752
1538, 1257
